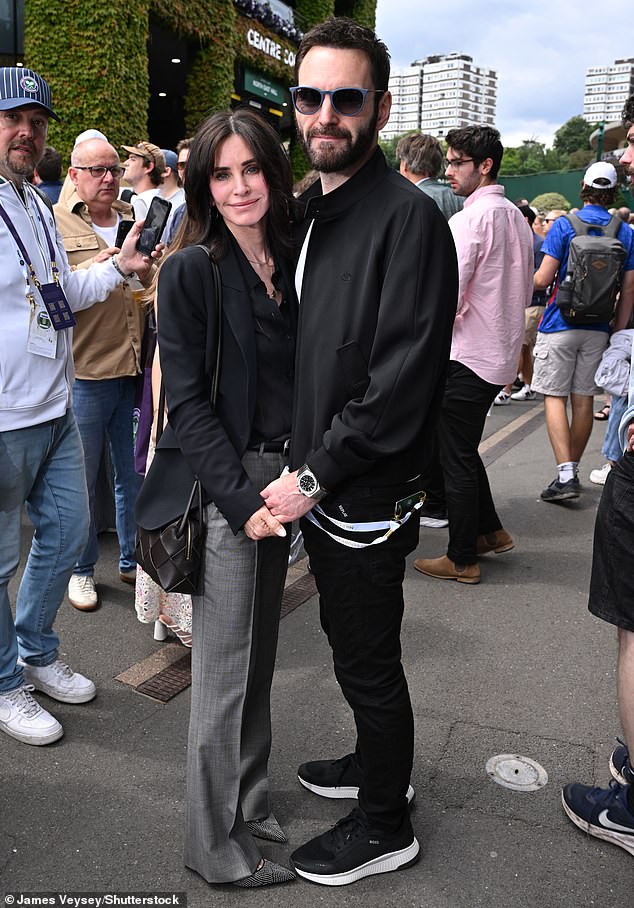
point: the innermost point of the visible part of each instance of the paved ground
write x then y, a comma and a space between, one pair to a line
514, 665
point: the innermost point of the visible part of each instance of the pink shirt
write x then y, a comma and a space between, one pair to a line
495, 263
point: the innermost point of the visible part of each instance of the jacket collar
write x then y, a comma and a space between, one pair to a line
333, 204
76, 206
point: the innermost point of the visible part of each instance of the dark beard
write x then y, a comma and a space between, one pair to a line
334, 160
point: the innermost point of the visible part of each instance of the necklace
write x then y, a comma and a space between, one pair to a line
266, 264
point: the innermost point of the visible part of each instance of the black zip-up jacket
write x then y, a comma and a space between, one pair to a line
379, 295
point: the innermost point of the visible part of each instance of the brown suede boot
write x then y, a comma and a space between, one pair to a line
500, 541
444, 568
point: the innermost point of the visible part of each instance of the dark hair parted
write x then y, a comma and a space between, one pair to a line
202, 223
627, 115
479, 143
345, 34
421, 154
49, 167
590, 195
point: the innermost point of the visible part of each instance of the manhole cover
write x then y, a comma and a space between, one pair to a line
518, 773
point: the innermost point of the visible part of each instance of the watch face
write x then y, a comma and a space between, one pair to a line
307, 483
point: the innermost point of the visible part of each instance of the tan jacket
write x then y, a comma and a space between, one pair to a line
107, 337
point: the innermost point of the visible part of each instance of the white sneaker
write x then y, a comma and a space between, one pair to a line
599, 476
59, 681
82, 593
524, 393
502, 399
23, 718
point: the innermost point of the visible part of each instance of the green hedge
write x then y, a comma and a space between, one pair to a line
314, 11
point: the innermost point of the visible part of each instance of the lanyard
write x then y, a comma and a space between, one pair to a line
389, 526
16, 236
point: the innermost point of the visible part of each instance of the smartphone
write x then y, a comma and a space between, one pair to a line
124, 229
154, 225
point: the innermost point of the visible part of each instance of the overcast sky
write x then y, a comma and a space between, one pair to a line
540, 51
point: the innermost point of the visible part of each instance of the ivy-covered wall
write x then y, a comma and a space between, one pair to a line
95, 61
97, 65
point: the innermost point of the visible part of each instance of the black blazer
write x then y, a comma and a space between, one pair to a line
196, 440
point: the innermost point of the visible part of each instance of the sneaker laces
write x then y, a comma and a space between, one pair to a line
86, 583
20, 698
61, 669
347, 829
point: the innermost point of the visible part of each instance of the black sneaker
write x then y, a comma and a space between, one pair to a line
352, 849
620, 765
335, 778
561, 491
601, 812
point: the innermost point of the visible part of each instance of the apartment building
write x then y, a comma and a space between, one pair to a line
439, 93
607, 88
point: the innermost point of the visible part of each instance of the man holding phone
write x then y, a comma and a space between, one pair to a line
107, 351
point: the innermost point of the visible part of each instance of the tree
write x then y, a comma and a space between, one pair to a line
573, 136
529, 157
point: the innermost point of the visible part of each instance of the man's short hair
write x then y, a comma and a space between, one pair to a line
627, 115
479, 143
528, 213
421, 154
346, 34
49, 168
183, 145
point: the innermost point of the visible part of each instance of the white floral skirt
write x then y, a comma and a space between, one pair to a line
150, 601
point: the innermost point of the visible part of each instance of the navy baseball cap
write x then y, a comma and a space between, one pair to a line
20, 86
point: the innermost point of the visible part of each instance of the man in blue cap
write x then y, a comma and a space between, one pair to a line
41, 456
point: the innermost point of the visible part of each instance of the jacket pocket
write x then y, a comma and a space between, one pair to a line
354, 368
87, 241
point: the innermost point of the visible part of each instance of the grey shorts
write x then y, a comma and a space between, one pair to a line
565, 362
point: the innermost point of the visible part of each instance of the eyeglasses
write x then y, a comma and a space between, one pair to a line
99, 172
457, 162
348, 102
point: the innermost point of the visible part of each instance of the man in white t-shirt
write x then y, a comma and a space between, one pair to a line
107, 353
144, 169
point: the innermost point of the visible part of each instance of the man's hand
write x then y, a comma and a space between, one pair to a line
630, 437
284, 500
130, 259
263, 524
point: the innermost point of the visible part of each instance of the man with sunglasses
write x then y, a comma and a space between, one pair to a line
495, 260
377, 282
107, 352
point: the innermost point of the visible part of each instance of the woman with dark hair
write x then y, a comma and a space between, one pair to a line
239, 203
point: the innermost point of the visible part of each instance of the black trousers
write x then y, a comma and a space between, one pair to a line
361, 609
456, 477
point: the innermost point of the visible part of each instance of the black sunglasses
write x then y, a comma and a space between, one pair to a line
345, 101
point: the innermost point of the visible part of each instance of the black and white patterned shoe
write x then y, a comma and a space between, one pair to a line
267, 828
269, 874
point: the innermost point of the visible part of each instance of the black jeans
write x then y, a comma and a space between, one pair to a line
456, 475
361, 609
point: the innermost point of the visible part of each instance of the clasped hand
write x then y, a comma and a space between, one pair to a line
284, 503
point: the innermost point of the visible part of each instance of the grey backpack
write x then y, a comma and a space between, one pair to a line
587, 296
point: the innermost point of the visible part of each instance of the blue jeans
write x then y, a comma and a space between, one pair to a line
103, 410
611, 449
41, 466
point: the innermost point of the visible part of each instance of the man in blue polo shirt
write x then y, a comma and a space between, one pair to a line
567, 357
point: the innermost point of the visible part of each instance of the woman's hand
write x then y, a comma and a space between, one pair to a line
263, 524
630, 437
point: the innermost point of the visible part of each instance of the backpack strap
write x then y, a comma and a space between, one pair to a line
582, 228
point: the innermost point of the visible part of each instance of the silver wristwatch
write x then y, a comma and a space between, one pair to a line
308, 484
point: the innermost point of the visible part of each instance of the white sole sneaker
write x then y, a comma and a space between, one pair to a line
22, 718
82, 693
395, 860
345, 791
